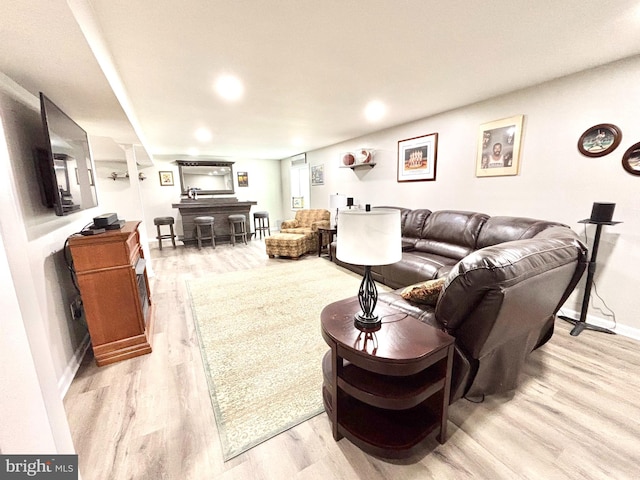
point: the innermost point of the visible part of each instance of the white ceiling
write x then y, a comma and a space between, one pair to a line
308, 66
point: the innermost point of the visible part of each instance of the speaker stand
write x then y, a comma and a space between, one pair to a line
581, 324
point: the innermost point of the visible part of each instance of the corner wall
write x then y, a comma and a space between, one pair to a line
42, 339
555, 181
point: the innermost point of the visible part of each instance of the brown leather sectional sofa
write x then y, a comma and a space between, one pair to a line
506, 277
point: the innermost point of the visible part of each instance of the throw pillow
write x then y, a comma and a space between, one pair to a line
426, 293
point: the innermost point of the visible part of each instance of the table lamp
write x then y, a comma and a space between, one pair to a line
369, 237
336, 202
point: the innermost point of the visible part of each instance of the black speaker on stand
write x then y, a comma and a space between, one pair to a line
601, 214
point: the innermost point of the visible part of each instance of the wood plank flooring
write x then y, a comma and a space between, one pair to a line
576, 414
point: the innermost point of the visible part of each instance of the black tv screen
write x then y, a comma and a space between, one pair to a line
66, 168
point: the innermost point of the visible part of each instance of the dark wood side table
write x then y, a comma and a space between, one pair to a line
386, 391
330, 233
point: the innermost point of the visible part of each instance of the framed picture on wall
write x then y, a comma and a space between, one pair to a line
243, 179
499, 147
297, 202
317, 175
599, 140
166, 178
417, 158
631, 159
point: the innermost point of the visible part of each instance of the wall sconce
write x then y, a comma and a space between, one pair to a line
116, 175
141, 176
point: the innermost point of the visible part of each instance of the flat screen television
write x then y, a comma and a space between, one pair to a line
65, 168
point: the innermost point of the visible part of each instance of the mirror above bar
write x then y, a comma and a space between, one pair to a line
206, 177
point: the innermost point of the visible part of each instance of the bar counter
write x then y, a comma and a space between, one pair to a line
219, 209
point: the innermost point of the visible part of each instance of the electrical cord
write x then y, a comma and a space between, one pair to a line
69, 260
473, 400
404, 315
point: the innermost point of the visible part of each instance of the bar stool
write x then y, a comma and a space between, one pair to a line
238, 228
200, 235
261, 223
158, 221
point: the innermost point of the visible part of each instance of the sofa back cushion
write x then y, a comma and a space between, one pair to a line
414, 222
450, 233
505, 229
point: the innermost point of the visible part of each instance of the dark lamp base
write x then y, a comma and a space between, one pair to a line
366, 323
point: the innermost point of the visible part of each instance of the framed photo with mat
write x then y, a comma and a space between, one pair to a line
499, 147
417, 158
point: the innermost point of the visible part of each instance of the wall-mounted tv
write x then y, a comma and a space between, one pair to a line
65, 168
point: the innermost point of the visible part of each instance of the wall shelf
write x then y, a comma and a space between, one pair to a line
356, 166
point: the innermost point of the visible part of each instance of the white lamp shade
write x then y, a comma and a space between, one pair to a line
337, 201
369, 238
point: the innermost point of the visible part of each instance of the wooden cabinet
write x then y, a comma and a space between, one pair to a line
112, 276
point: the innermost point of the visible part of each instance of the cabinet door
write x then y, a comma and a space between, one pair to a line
112, 304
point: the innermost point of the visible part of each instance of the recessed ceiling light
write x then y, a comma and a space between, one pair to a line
229, 87
297, 141
375, 110
203, 135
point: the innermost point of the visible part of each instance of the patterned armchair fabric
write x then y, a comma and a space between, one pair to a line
307, 222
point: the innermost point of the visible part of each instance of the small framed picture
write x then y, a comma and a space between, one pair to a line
499, 147
243, 179
297, 202
417, 158
317, 175
599, 140
631, 159
166, 178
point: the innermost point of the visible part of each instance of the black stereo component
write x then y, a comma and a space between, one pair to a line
116, 226
602, 212
92, 231
104, 220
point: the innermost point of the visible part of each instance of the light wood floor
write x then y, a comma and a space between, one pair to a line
575, 415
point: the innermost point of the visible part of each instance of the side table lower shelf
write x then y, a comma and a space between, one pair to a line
393, 430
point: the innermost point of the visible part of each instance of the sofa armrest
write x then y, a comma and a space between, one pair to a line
477, 290
320, 223
293, 223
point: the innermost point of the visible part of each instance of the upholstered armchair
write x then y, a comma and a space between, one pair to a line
307, 223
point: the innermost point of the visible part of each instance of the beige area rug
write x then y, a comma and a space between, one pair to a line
261, 344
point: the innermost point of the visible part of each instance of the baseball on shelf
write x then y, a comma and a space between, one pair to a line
348, 159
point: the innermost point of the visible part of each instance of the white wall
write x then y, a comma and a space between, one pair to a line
44, 233
555, 182
39, 340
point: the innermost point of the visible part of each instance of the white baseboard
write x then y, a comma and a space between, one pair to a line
72, 367
618, 328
